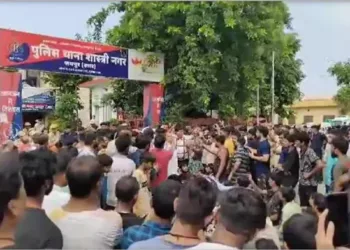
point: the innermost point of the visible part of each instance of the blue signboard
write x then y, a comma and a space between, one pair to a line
43, 102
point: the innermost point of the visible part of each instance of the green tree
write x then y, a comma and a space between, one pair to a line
341, 71
67, 93
219, 50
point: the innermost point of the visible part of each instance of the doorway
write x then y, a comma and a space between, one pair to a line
32, 116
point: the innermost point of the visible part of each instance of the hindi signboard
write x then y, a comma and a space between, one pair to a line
37, 52
146, 66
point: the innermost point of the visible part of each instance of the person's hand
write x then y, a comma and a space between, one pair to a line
324, 237
251, 155
307, 175
250, 177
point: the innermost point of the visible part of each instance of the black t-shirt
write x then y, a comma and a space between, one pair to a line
130, 219
9, 247
37, 231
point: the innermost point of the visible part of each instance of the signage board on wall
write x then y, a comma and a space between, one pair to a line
51, 54
37, 52
146, 66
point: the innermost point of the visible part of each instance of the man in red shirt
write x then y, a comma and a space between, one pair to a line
163, 158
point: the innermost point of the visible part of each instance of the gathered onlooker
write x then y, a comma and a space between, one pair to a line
274, 202
310, 168
241, 165
331, 161
159, 222
241, 214
290, 206
43, 150
83, 223
68, 136
59, 196
339, 149
265, 244
12, 198
36, 230
193, 212
142, 207
25, 144
290, 165
127, 190
261, 156
318, 203
163, 158
318, 140
69, 148
142, 144
106, 162
299, 232
122, 166
88, 142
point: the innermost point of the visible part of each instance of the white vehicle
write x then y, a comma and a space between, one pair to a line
341, 121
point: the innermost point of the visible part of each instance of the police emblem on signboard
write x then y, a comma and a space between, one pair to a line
123, 53
18, 52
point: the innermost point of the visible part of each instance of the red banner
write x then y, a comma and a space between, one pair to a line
153, 98
10, 105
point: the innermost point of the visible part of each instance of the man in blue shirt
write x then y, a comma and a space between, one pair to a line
159, 222
262, 154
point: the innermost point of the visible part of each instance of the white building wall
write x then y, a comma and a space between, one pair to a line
84, 114
100, 112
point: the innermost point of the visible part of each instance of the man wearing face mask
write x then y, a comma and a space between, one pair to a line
339, 149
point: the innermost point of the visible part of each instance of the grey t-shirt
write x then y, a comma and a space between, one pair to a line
37, 231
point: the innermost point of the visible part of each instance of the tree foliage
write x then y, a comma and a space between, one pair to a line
67, 96
341, 71
217, 53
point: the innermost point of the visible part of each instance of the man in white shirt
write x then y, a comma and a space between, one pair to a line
59, 196
241, 215
122, 166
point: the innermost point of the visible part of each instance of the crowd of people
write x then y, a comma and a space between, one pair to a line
170, 187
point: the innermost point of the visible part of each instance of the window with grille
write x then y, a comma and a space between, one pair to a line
308, 118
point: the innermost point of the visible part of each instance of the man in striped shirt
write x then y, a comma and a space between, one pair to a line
241, 161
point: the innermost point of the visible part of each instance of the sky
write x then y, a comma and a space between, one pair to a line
322, 28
